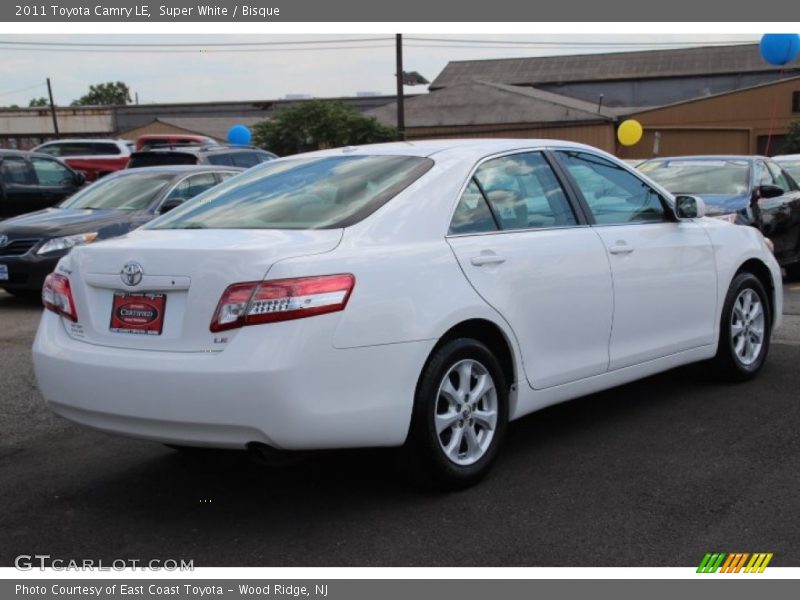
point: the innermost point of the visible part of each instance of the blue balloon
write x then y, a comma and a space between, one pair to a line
240, 135
779, 48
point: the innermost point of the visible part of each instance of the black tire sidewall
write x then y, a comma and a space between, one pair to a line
423, 437
726, 352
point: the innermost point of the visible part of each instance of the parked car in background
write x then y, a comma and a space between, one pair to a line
745, 190
218, 154
32, 244
167, 140
790, 163
94, 158
417, 294
31, 181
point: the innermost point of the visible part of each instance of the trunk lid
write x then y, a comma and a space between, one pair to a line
191, 267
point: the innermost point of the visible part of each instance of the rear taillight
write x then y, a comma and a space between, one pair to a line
57, 296
281, 300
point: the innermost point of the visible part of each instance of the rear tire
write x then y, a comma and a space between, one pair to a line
745, 329
459, 418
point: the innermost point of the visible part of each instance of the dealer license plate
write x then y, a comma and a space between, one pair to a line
138, 313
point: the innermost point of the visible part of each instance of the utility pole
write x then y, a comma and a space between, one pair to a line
401, 116
52, 108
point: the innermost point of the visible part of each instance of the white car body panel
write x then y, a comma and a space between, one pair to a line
347, 379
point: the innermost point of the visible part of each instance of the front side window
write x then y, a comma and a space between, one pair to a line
52, 173
613, 195
303, 193
778, 177
192, 186
131, 191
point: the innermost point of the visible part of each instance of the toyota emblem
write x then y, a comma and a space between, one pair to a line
131, 273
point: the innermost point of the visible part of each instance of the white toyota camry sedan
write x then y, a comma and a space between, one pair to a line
418, 295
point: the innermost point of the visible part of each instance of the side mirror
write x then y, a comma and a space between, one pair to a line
170, 204
769, 191
689, 207
79, 180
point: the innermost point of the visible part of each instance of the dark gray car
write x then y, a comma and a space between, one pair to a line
32, 244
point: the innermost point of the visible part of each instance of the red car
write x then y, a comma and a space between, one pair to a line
91, 157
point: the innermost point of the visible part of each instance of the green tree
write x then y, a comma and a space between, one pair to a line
40, 101
791, 143
109, 93
316, 125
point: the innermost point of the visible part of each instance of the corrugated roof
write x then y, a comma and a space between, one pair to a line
482, 103
744, 58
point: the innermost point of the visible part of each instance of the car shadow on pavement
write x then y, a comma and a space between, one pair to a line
20, 302
633, 469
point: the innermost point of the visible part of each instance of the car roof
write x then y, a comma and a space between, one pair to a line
85, 140
747, 157
781, 157
177, 169
473, 147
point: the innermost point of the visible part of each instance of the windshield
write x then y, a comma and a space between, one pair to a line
304, 193
700, 177
133, 191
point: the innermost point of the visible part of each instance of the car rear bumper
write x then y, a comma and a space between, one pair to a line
288, 396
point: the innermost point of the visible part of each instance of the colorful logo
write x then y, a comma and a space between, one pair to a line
721, 562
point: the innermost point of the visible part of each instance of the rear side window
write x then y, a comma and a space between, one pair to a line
304, 193
246, 159
614, 195
221, 159
15, 170
524, 193
472, 214
105, 148
51, 149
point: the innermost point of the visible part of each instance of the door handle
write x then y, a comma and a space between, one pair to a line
486, 259
620, 248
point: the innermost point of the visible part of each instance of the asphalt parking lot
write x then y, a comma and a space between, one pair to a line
655, 473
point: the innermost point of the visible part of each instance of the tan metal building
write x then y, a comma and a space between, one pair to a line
737, 122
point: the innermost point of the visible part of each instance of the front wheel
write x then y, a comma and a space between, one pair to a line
745, 329
460, 415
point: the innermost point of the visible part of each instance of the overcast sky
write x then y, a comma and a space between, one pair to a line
214, 73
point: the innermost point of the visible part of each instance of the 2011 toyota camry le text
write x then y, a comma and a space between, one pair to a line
417, 295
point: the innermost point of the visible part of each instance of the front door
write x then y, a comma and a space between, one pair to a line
663, 269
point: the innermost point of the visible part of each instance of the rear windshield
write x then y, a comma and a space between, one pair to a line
698, 176
308, 193
132, 191
154, 159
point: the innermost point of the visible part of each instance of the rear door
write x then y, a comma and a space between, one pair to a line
664, 272
527, 251
780, 216
20, 193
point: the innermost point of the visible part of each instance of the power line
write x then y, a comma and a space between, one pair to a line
22, 90
197, 51
544, 43
195, 44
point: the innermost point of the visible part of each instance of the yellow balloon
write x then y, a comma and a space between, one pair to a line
629, 132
